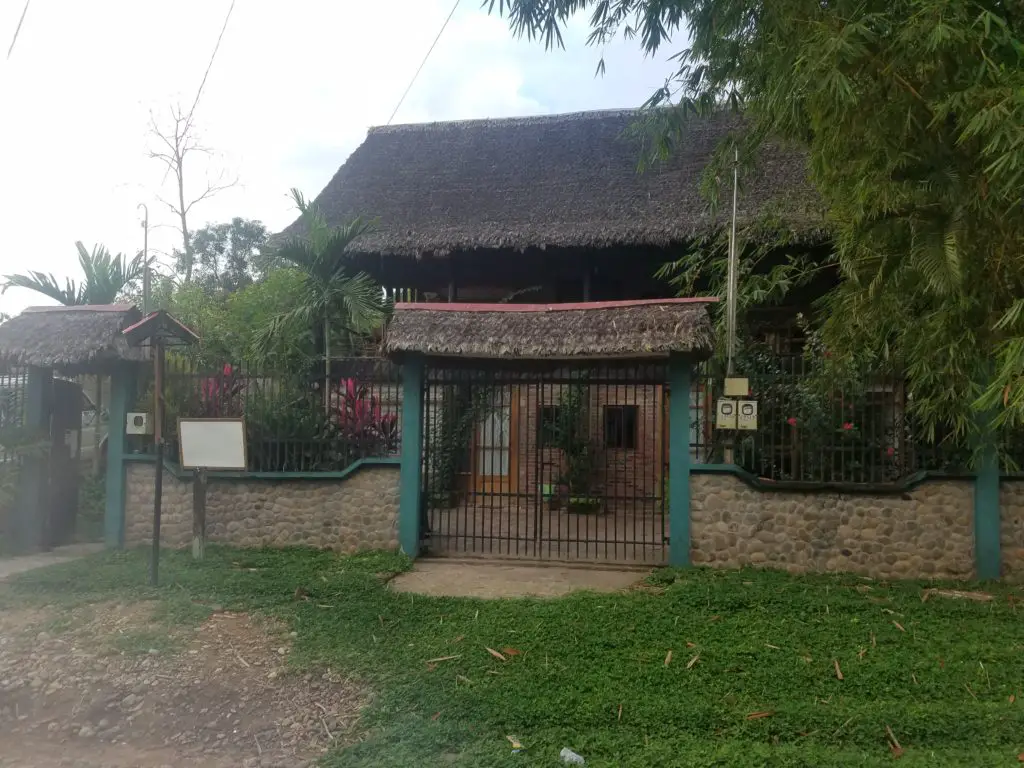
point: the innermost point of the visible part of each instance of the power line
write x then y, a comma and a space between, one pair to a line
213, 56
18, 29
422, 63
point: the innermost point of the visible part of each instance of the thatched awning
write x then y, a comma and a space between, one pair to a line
79, 338
557, 181
593, 330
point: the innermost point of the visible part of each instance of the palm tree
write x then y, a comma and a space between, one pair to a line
335, 297
105, 278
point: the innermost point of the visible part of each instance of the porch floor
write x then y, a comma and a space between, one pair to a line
619, 537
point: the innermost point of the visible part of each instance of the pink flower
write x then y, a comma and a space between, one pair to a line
890, 451
791, 421
227, 369
848, 426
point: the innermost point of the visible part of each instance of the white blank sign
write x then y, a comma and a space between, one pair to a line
212, 443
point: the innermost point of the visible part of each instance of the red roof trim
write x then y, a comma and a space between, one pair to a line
170, 317
460, 307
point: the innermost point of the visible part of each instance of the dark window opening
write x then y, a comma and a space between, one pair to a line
548, 425
620, 426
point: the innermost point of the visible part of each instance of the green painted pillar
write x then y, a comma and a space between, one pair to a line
411, 482
679, 460
33, 508
122, 398
986, 512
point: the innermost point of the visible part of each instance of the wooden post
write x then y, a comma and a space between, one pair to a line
32, 511
199, 515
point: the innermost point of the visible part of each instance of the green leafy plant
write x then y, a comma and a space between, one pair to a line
570, 433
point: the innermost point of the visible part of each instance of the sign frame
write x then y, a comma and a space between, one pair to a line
245, 444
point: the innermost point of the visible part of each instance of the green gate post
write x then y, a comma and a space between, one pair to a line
679, 460
33, 507
411, 480
122, 397
987, 561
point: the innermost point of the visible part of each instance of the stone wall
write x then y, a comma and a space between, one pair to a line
926, 532
356, 513
1011, 512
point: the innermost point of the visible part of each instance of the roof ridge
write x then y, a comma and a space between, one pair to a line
557, 117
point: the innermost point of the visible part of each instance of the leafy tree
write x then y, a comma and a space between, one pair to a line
106, 278
912, 114
228, 256
344, 304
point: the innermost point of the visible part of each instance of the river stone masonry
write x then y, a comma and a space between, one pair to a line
927, 532
1011, 538
359, 512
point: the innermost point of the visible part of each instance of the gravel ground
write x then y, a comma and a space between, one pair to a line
106, 686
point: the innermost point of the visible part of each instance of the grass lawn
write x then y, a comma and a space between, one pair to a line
705, 668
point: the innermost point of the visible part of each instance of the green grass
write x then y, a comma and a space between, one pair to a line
942, 684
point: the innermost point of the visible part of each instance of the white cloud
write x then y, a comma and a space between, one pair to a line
292, 92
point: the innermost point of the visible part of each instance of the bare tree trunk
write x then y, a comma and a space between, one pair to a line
184, 229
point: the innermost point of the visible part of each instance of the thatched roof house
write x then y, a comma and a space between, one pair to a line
80, 339
614, 329
559, 187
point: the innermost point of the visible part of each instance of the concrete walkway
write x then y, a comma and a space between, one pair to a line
461, 578
12, 565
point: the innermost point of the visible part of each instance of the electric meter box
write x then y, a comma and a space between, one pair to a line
139, 424
746, 414
725, 415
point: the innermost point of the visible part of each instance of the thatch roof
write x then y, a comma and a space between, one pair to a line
69, 337
555, 181
623, 329
163, 326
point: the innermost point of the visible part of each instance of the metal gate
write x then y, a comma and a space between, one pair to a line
546, 461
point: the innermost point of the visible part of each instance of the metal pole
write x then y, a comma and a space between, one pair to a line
147, 286
733, 277
158, 436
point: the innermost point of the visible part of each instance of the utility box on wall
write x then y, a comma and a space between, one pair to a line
746, 414
725, 416
139, 424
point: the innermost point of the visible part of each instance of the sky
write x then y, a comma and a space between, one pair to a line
291, 93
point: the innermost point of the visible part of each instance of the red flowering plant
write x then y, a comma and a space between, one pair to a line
361, 425
220, 396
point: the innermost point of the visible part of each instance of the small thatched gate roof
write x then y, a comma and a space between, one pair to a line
80, 339
593, 330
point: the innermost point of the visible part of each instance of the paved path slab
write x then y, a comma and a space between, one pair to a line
458, 578
12, 565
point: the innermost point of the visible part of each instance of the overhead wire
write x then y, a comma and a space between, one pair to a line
423, 63
209, 66
17, 29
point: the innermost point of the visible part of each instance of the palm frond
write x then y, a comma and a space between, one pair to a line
46, 285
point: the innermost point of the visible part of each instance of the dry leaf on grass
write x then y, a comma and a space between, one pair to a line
957, 594
620, 713
511, 652
894, 744
759, 715
773, 647
495, 654
444, 658
1012, 698
514, 742
691, 645
691, 662
668, 658
898, 626
839, 672
435, 716
458, 639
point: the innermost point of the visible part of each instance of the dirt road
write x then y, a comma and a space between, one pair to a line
106, 686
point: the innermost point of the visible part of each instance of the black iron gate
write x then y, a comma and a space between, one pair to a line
546, 461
